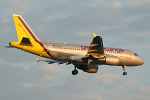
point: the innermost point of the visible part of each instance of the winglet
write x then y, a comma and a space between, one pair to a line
37, 60
94, 35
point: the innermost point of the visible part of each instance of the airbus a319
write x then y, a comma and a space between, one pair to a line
86, 58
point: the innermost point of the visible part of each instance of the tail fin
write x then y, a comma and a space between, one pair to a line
24, 32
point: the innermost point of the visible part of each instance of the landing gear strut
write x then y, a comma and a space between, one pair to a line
75, 71
124, 69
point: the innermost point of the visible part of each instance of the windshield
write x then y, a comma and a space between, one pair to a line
136, 54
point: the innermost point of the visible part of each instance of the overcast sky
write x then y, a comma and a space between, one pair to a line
121, 23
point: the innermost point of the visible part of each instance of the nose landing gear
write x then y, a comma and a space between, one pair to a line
124, 73
124, 69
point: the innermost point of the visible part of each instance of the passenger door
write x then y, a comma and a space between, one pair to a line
128, 55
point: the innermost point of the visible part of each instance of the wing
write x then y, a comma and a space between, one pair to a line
70, 60
52, 61
96, 48
96, 45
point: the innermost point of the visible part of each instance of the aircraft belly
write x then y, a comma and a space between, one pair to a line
63, 56
126, 61
123, 61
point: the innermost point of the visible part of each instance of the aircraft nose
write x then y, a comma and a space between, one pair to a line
141, 61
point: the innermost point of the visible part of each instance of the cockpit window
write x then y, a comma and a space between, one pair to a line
136, 54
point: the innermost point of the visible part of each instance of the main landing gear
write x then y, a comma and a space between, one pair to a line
124, 69
75, 71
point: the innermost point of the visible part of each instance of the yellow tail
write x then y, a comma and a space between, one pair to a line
24, 32
27, 40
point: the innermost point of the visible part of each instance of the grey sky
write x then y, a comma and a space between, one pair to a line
121, 23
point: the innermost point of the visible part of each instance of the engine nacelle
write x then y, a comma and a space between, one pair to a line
110, 60
92, 69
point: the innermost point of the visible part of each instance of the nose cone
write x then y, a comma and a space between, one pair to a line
140, 61
136, 61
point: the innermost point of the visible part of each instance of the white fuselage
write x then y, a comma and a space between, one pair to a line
63, 52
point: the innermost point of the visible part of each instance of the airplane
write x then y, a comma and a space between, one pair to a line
86, 58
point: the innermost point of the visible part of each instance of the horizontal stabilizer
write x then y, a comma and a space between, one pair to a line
9, 47
26, 42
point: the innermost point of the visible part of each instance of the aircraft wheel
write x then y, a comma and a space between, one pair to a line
74, 72
124, 73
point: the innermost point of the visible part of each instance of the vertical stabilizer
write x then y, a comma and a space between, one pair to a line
23, 29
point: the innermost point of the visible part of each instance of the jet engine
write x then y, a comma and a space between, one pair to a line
110, 60
91, 69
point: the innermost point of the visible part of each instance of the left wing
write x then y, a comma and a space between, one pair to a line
96, 45
96, 49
